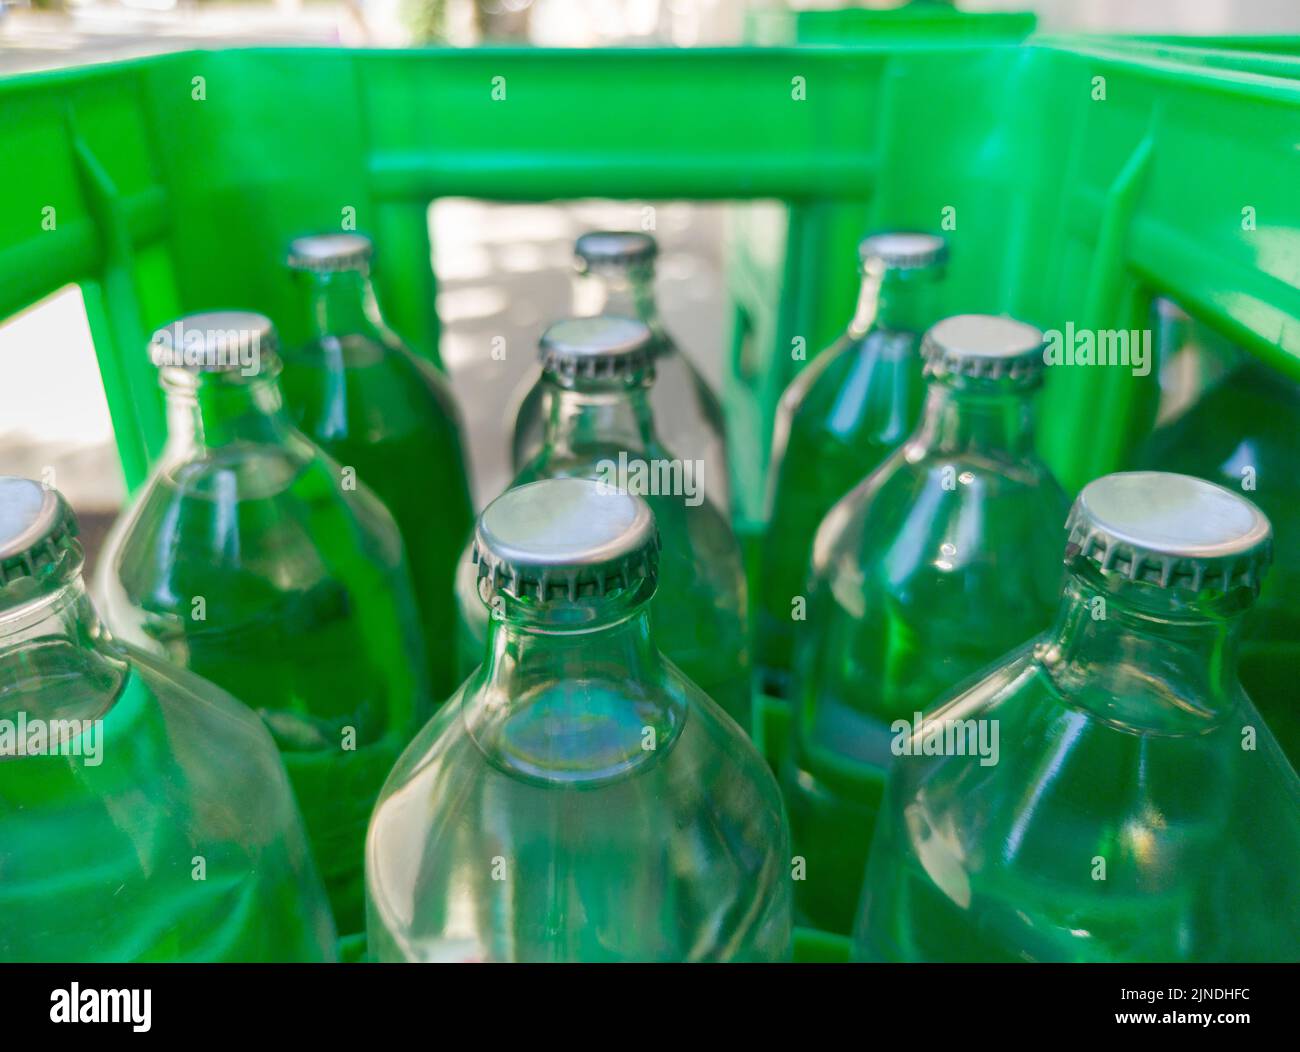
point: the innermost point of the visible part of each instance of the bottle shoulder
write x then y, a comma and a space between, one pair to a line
249, 503
362, 386
239, 470
204, 706
165, 732
1067, 744
949, 513
852, 380
815, 383
200, 578
598, 735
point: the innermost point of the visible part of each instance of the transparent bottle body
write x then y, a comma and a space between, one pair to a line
927, 571
687, 413
247, 561
1139, 809
579, 799
377, 409
167, 831
839, 418
1245, 434
700, 606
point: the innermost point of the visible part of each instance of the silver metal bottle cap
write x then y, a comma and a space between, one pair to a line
37, 530
975, 347
620, 248
599, 348
1174, 531
322, 253
903, 250
559, 540
215, 342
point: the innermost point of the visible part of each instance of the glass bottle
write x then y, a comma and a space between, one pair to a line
376, 408
578, 798
934, 565
1133, 806
144, 814
615, 276
246, 558
1244, 433
597, 373
840, 417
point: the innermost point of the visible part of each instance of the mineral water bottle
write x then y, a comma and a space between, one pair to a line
839, 418
248, 558
386, 416
1245, 434
615, 276
929, 569
578, 798
1128, 803
597, 374
144, 814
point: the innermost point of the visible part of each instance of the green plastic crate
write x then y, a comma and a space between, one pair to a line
924, 21
1120, 197
171, 184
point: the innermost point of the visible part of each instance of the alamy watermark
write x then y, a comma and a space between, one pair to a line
94, 1005
188, 347
1126, 348
652, 478
946, 737
26, 736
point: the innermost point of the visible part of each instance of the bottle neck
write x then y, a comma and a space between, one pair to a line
211, 410
573, 694
985, 418
53, 659
523, 647
598, 417
1143, 657
341, 303
624, 292
894, 300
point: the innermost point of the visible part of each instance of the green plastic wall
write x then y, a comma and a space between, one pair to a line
175, 181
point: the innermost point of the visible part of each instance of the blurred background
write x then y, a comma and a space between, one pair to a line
502, 268
37, 34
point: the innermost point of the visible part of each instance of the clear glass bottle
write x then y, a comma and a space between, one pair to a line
1244, 433
615, 276
376, 408
1136, 807
840, 417
248, 559
929, 569
579, 798
144, 814
598, 373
